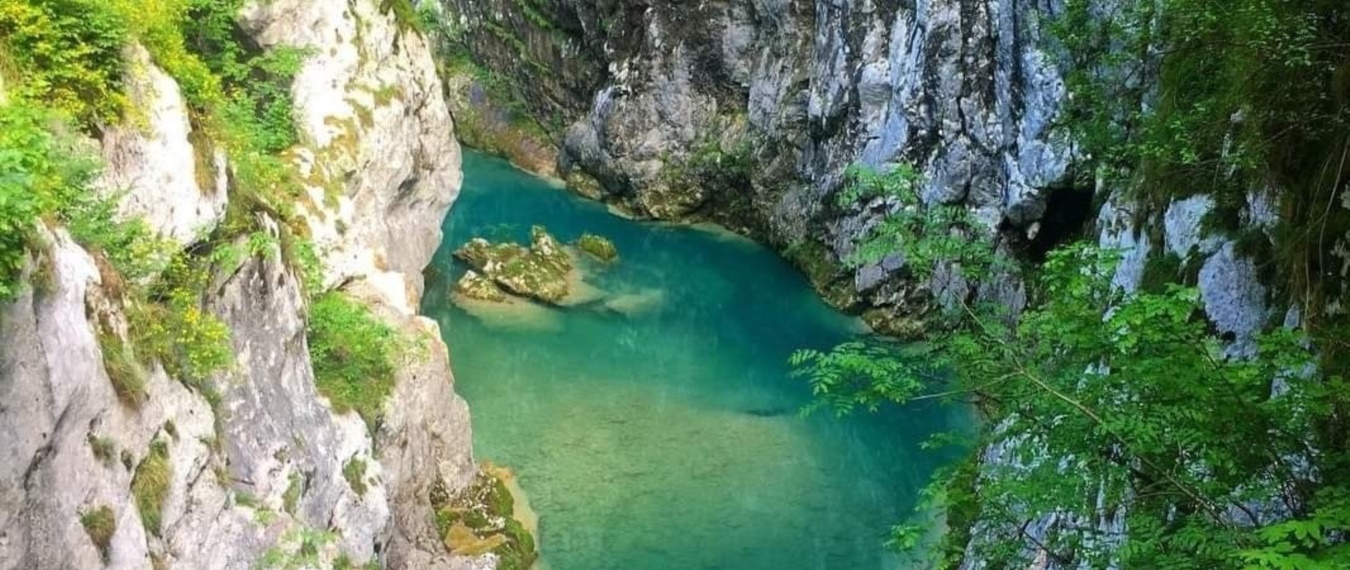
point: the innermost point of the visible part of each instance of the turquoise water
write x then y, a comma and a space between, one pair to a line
654, 426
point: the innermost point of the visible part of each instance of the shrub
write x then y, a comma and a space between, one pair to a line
72, 53
172, 328
100, 524
150, 485
354, 354
32, 183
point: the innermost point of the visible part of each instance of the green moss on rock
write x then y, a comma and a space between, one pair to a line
540, 272
475, 286
354, 471
598, 247
481, 520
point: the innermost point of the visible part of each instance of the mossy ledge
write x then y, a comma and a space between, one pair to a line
482, 520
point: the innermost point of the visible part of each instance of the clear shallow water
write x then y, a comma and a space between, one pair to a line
656, 427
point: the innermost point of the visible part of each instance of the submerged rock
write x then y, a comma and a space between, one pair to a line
598, 247
540, 272
475, 286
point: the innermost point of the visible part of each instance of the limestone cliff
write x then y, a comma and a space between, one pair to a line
747, 113
255, 462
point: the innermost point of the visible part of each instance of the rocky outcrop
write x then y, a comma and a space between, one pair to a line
377, 148
747, 112
543, 271
598, 247
172, 176
475, 286
251, 462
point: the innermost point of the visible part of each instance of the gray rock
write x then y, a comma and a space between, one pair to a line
177, 188
1183, 224
1235, 300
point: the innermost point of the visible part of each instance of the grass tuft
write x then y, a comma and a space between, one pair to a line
100, 524
127, 377
150, 485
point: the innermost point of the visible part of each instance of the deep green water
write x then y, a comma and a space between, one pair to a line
657, 428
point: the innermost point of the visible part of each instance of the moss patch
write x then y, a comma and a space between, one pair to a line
100, 524
481, 520
150, 485
104, 449
475, 286
354, 471
291, 497
814, 260
598, 247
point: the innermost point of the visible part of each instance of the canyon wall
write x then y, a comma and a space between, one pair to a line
748, 112
257, 465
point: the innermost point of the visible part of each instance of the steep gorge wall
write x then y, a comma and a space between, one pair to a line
258, 473
748, 112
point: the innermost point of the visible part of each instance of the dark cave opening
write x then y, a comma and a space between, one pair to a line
1068, 211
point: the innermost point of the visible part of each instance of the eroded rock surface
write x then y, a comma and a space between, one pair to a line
542, 271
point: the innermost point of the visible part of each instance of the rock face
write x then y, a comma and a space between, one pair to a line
374, 127
540, 272
746, 112
179, 188
256, 459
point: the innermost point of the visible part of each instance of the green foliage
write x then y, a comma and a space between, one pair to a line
173, 328
298, 549
150, 485
925, 236
1182, 97
858, 375
408, 18
72, 53
1116, 409
100, 524
354, 355
354, 471
863, 183
35, 180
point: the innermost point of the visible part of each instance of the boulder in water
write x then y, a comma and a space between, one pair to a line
475, 286
598, 247
539, 272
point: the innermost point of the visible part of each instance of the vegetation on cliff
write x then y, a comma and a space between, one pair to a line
68, 76
1154, 441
